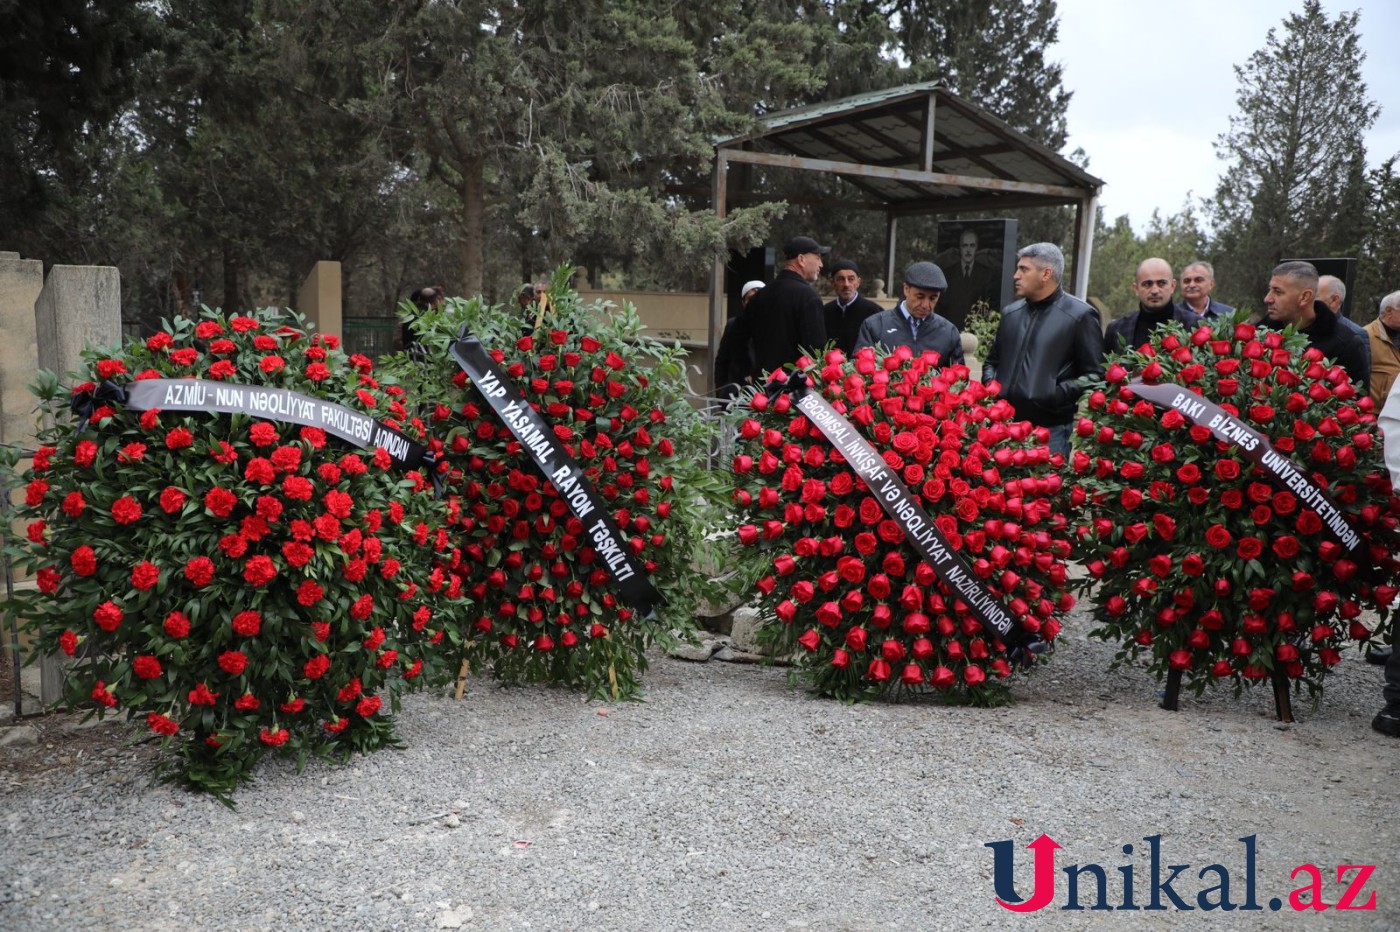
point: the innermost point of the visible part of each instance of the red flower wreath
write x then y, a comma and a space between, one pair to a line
846, 586
1202, 561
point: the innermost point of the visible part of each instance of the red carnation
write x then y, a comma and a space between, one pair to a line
220, 501
259, 570
233, 662
202, 695
162, 725
145, 575
126, 510
247, 624
200, 571
275, 738
147, 667
108, 616
177, 625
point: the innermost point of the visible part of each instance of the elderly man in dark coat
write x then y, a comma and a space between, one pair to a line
913, 323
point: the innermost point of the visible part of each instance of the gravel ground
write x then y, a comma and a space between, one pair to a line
726, 800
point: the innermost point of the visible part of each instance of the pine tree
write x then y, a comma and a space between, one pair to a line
1295, 149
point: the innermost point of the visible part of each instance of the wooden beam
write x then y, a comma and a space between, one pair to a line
857, 156
855, 170
872, 191
749, 198
967, 204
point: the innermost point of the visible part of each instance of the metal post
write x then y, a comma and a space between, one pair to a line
16, 658
891, 235
930, 104
1085, 213
719, 197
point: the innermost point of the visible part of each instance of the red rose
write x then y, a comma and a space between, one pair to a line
1218, 537
810, 639
1249, 548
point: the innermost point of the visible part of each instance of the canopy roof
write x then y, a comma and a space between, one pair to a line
914, 149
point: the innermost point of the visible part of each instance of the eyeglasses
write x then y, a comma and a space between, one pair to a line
1160, 283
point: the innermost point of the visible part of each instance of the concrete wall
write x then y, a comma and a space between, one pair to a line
80, 306
21, 281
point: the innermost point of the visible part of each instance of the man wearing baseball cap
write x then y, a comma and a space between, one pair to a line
913, 323
784, 318
849, 309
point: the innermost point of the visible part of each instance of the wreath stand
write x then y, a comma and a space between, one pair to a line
1283, 703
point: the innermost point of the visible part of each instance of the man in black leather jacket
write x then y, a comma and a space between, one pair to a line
1292, 299
1046, 342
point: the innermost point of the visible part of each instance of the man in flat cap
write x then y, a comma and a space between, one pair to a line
848, 311
913, 323
784, 318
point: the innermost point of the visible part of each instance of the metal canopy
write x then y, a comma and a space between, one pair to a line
916, 149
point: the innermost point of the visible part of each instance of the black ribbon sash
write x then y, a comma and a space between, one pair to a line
275, 404
1257, 449
560, 468
904, 509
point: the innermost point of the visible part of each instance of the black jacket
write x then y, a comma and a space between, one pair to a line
1337, 343
780, 321
1120, 331
891, 330
1040, 350
844, 326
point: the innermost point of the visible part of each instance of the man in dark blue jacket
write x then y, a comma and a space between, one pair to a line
1197, 282
1154, 287
913, 323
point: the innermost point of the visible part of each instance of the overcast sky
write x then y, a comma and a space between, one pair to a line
1154, 87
